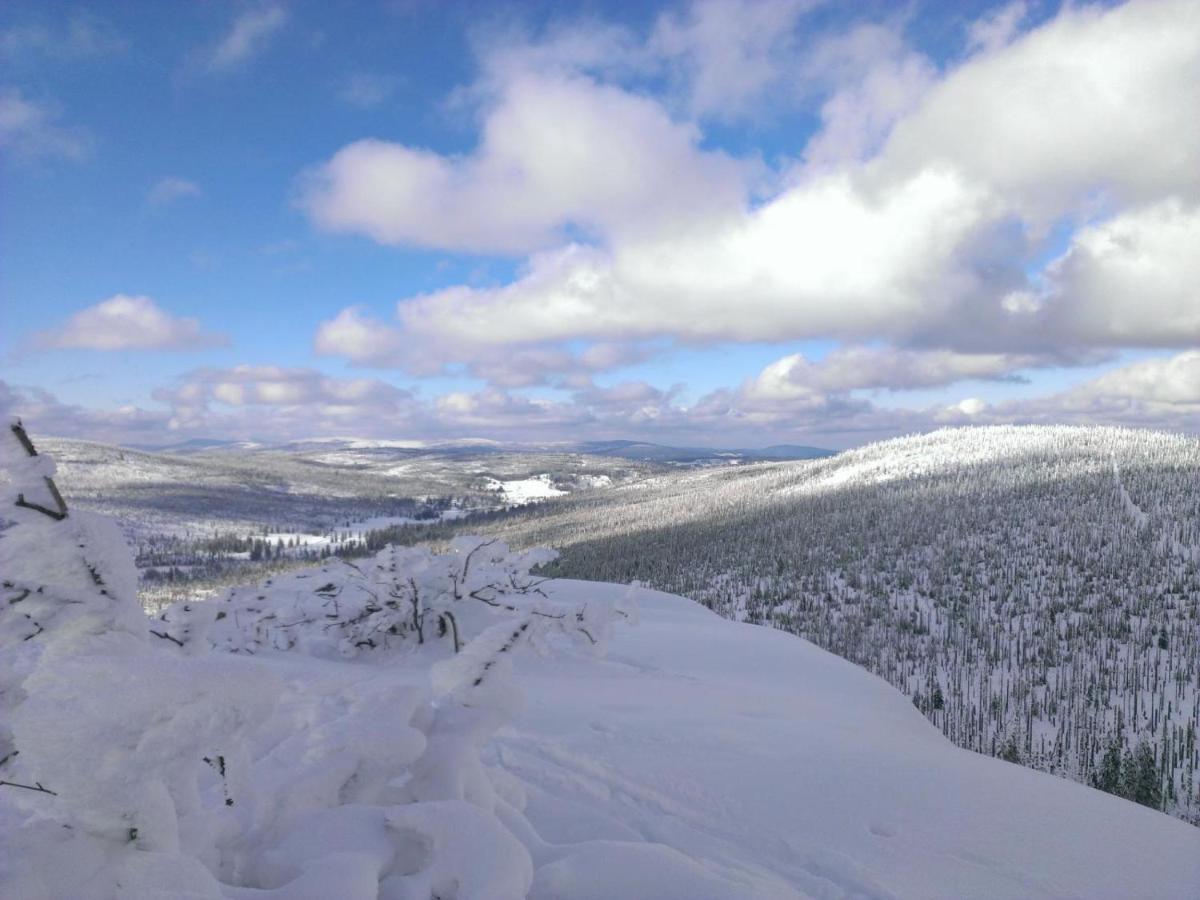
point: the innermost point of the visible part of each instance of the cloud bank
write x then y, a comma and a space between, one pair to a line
913, 215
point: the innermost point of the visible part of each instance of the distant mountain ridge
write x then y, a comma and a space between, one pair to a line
625, 449
664, 453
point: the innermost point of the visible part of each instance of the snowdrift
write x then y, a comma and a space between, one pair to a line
779, 770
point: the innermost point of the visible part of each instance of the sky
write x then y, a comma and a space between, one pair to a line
718, 222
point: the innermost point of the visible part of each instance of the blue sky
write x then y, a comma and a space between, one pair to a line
724, 221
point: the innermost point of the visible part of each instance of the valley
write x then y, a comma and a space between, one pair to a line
1034, 591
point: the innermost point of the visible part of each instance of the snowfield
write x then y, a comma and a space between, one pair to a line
519, 492
745, 762
700, 759
423, 725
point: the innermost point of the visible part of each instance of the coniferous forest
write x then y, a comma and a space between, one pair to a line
1034, 590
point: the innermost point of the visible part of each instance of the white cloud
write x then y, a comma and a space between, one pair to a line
126, 322
1161, 392
913, 216
249, 34
854, 368
368, 341
366, 90
360, 338
82, 36
729, 52
45, 414
824, 258
276, 402
170, 188
30, 130
1162, 384
1090, 104
998, 28
555, 153
922, 242
1131, 280
877, 81
971, 406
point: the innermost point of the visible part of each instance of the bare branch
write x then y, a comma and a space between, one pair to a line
36, 786
166, 637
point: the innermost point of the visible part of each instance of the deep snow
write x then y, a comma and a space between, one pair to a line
700, 758
779, 770
327, 734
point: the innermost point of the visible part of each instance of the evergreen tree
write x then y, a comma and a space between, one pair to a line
1108, 778
1128, 775
1011, 752
1146, 787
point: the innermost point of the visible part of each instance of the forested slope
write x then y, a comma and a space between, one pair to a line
1033, 589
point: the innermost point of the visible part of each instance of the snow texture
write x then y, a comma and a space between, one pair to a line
700, 758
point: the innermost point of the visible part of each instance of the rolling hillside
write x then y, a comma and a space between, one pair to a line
1034, 590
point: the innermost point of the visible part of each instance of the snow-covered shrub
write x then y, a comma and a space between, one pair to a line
401, 599
240, 743
429, 816
102, 735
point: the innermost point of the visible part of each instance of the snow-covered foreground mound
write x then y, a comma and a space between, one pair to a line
779, 770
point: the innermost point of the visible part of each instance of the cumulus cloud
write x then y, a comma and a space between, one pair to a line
363, 339
876, 79
30, 130
1089, 105
555, 153
824, 259
1161, 393
249, 34
171, 188
269, 401
1165, 385
997, 28
366, 340
922, 240
1132, 280
124, 322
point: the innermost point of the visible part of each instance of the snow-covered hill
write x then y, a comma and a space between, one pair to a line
779, 770
1036, 591
356, 730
